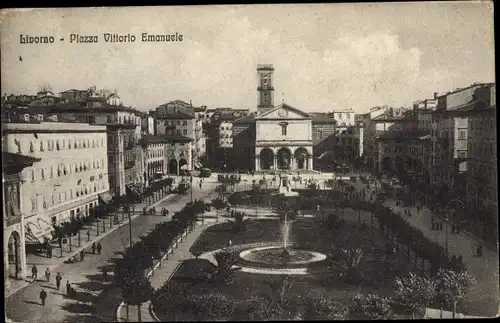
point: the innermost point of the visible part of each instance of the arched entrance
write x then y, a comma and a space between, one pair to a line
266, 158
182, 162
14, 255
172, 167
386, 164
284, 158
301, 158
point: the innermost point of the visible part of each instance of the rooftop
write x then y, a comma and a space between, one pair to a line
417, 134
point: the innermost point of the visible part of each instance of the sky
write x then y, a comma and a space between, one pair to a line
326, 56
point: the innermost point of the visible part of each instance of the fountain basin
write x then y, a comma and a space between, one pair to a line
273, 257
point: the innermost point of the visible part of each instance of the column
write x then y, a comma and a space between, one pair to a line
178, 168
292, 163
275, 164
22, 254
310, 162
257, 163
6, 281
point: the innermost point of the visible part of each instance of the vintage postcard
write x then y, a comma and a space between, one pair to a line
249, 162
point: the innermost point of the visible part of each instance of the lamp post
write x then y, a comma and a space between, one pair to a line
130, 210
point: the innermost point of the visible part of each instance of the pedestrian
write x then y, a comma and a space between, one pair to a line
58, 280
479, 250
82, 255
105, 274
47, 274
72, 293
88, 235
93, 247
99, 248
34, 273
229, 243
68, 288
43, 296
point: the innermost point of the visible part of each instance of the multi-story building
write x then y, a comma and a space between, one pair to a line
344, 117
220, 152
153, 152
449, 140
122, 158
482, 185
323, 135
180, 119
377, 121
14, 250
70, 176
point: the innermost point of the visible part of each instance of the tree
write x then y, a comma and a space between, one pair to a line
138, 291
452, 286
256, 195
277, 295
352, 258
414, 292
239, 221
323, 308
59, 233
371, 307
219, 205
225, 266
286, 208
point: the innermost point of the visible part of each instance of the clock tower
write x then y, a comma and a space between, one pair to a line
265, 88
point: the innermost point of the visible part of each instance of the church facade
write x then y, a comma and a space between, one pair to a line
278, 137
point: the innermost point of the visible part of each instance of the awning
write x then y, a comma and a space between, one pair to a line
38, 228
185, 167
133, 190
105, 197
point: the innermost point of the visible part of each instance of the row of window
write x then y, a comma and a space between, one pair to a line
51, 145
63, 169
155, 153
61, 197
175, 122
178, 132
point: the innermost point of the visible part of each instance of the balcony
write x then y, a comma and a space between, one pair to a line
13, 220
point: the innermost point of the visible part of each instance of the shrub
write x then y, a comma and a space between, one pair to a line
371, 306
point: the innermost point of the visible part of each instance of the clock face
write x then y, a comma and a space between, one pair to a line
282, 113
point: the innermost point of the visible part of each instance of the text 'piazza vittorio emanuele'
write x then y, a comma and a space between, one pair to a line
108, 38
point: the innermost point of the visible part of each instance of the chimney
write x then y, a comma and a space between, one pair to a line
435, 95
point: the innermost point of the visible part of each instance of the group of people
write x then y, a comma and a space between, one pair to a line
70, 291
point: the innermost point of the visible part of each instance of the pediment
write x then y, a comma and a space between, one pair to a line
284, 111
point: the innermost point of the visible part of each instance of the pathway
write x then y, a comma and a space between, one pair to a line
163, 274
96, 299
483, 297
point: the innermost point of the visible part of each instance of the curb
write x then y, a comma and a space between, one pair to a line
150, 307
83, 247
169, 251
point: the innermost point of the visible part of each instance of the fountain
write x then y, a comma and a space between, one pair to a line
281, 258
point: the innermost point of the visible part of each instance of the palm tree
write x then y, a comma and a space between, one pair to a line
219, 205
225, 265
352, 259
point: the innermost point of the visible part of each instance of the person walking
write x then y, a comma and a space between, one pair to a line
99, 248
47, 275
34, 273
43, 296
58, 280
82, 255
93, 247
88, 235
68, 288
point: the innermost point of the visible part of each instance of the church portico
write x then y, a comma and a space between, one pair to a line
283, 157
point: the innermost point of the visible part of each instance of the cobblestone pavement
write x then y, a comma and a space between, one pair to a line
96, 299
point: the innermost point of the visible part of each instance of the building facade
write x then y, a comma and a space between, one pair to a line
283, 139
70, 176
14, 251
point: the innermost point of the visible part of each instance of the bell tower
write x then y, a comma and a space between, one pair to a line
265, 88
